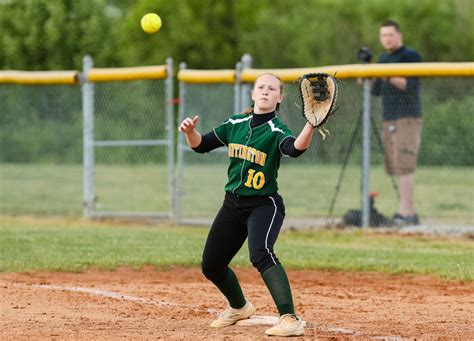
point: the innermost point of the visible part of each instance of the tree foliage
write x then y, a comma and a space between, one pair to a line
214, 34
52, 35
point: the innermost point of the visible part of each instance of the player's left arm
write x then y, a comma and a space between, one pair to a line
289, 146
303, 140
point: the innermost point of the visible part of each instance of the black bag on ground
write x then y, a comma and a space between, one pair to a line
376, 219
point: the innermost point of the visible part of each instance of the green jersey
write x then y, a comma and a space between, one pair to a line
254, 154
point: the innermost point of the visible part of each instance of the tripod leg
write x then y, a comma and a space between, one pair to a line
344, 165
375, 131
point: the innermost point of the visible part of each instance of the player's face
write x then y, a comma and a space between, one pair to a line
266, 94
390, 38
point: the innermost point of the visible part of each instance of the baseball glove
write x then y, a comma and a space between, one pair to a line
318, 92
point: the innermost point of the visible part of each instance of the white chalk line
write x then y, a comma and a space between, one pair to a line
114, 295
258, 319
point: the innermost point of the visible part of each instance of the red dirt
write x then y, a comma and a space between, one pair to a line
180, 304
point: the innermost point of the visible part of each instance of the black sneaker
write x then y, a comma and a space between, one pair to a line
399, 220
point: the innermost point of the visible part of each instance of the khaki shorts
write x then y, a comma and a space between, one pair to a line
401, 141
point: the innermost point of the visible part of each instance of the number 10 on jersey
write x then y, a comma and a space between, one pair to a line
255, 179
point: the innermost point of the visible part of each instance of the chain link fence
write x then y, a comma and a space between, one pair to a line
107, 151
325, 182
128, 142
130, 148
40, 149
132, 169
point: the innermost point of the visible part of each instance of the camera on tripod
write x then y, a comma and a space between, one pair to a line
364, 55
355, 217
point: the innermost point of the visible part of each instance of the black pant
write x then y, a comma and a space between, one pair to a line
258, 218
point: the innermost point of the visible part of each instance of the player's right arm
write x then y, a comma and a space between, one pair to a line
198, 142
188, 127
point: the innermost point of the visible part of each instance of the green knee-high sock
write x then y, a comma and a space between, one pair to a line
231, 289
277, 283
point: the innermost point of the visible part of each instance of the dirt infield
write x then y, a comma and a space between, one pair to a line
180, 303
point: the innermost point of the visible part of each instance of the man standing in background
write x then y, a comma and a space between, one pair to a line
402, 123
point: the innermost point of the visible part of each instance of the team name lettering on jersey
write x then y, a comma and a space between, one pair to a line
247, 153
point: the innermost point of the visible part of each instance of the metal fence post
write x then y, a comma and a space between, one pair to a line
180, 157
170, 127
237, 86
366, 129
88, 139
245, 100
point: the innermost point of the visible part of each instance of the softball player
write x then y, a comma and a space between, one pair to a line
252, 208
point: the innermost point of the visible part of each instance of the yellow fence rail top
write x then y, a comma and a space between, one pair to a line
465, 69
462, 69
206, 76
127, 73
39, 77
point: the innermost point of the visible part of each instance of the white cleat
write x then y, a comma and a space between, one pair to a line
289, 325
230, 315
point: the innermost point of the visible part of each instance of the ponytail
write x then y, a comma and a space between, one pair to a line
248, 110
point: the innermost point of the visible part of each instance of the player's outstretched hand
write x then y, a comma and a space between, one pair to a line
188, 124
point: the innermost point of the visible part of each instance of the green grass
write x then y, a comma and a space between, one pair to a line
57, 189
39, 244
442, 194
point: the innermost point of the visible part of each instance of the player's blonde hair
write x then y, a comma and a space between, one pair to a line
250, 109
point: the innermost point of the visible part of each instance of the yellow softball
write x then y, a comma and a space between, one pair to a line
151, 23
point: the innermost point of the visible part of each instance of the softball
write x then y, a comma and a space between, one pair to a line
151, 23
